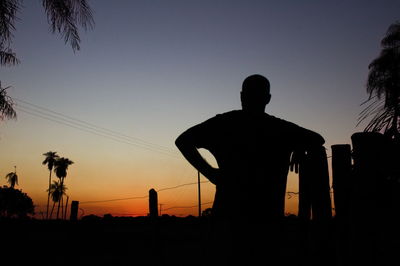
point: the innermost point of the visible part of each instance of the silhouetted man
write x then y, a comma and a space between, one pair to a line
253, 151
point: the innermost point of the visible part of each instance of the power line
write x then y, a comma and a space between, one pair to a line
140, 197
182, 185
96, 133
187, 207
93, 130
111, 200
289, 193
91, 125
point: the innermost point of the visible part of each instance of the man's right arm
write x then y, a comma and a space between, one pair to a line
187, 145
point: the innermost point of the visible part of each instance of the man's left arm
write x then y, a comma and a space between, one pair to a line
188, 145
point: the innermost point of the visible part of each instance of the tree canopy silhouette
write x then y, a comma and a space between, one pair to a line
56, 192
63, 16
383, 86
50, 159
6, 105
12, 179
60, 168
14, 203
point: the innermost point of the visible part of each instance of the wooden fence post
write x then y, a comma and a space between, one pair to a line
74, 210
153, 203
342, 181
314, 189
370, 202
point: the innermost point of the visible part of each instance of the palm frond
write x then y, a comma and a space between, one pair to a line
12, 179
50, 159
8, 16
8, 57
6, 105
64, 17
61, 167
382, 117
57, 191
392, 38
383, 87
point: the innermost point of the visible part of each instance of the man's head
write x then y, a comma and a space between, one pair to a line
255, 93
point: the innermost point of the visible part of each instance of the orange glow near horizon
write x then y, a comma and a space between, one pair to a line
112, 172
180, 201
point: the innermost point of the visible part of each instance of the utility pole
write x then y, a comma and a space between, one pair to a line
198, 181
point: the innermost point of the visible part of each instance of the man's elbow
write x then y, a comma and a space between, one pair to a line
179, 142
183, 141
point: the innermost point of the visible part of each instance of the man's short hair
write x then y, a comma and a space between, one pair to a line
256, 84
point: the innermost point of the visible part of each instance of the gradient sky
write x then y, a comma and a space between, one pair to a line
151, 69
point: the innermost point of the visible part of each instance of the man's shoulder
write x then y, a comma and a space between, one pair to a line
230, 113
237, 115
227, 115
299, 132
280, 121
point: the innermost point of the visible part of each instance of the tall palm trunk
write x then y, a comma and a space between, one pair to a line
59, 202
66, 208
396, 104
48, 197
62, 207
52, 209
395, 126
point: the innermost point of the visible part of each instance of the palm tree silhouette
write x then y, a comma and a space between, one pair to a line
56, 192
12, 178
64, 17
60, 168
50, 159
383, 86
6, 105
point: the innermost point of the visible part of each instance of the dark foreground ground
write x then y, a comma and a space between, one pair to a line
182, 241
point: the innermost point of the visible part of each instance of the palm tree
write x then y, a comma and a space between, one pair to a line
50, 159
383, 86
60, 168
6, 105
8, 16
64, 17
12, 178
56, 191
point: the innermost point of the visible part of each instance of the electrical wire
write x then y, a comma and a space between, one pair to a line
187, 207
141, 197
95, 131
90, 125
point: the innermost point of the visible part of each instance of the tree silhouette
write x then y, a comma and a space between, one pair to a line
15, 203
56, 192
6, 105
383, 86
63, 16
12, 179
60, 168
50, 159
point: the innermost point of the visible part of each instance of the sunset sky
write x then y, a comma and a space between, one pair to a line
151, 69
